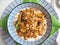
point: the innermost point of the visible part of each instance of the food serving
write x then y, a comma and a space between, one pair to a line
30, 23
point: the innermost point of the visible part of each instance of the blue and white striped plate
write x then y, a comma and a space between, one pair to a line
7, 38
12, 29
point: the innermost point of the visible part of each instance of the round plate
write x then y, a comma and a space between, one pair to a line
12, 29
6, 36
